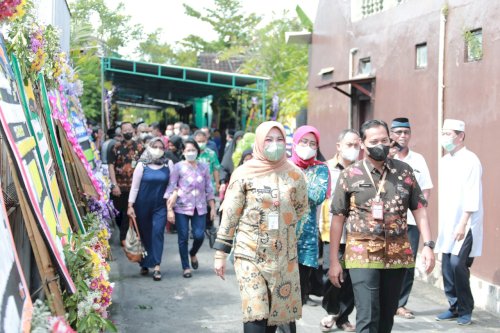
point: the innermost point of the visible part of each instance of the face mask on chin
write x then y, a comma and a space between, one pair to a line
378, 152
350, 154
305, 152
274, 151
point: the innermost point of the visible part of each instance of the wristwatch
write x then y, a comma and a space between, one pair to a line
430, 244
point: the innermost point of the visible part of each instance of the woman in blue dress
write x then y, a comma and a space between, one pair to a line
304, 154
147, 204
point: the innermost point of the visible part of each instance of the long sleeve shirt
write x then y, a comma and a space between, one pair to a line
460, 190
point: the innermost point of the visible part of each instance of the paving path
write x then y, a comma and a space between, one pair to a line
205, 303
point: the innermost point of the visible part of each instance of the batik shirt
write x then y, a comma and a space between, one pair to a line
124, 157
317, 185
375, 243
209, 157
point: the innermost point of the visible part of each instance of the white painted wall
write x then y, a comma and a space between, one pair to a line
56, 12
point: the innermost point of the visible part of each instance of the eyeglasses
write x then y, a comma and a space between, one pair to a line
401, 132
305, 142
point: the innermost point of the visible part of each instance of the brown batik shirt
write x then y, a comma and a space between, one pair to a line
124, 157
375, 243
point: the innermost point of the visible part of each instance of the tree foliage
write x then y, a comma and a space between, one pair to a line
227, 19
153, 50
285, 64
89, 41
264, 49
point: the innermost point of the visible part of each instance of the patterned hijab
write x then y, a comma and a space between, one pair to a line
259, 165
146, 157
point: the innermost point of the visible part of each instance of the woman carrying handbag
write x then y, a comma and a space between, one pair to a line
146, 203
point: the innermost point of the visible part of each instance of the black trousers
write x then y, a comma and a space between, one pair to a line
260, 326
121, 205
337, 301
376, 295
456, 278
305, 282
413, 237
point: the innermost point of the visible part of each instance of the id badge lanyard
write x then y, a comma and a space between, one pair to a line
377, 204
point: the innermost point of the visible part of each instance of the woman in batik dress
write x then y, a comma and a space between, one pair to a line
265, 199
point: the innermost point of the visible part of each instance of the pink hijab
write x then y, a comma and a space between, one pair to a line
260, 165
304, 164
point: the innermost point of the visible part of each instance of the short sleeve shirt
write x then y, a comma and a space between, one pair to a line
209, 157
373, 243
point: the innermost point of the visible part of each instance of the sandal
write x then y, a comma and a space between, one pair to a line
187, 274
405, 313
327, 324
347, 327
157, 275
194, 263
144, 271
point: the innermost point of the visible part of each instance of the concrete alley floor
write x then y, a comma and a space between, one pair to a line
205, 303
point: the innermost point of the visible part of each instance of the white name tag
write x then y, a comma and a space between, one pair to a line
378, 210
273, 220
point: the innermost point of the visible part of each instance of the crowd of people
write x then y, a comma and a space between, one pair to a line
346, 228
371, 200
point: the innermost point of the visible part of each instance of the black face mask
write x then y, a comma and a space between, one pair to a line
127, 136
378, 152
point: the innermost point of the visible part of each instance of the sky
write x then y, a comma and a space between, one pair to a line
169, 15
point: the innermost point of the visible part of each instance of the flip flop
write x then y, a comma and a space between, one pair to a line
187, 275
327, 324
405, 313
157, 275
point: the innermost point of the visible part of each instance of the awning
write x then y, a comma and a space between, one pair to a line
159, 85
357, 83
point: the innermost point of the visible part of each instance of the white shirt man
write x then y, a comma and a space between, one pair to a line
460, 237
401, 134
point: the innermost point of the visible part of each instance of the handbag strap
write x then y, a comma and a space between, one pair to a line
134, 223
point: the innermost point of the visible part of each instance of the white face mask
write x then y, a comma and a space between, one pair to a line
305, 152
169, 133
190, 156
185, 137
143, 135
177, 131
350, 154
156, 153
